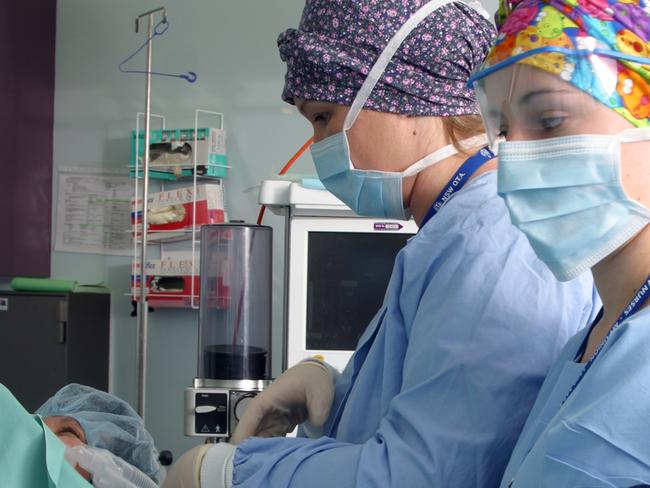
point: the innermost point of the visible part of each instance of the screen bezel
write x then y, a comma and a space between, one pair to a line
296, 319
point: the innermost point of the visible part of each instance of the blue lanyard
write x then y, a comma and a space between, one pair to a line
458, 181
635, 305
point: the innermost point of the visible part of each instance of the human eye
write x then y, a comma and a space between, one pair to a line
546, 123
550, 122
320, 118
67, 433
69, 429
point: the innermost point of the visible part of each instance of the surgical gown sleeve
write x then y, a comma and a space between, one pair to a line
600, 436
449, 368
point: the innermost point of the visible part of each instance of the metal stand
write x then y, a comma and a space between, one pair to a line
143, 309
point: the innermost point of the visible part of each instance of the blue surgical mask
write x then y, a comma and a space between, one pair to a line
565, 194
377, 193
366, 192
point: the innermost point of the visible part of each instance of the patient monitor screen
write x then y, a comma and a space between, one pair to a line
347, 276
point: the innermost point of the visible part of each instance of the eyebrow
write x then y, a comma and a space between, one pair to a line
528, 97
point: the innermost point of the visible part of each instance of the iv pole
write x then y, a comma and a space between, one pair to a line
143, 310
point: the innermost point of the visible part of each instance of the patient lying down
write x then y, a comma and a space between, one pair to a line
82, 416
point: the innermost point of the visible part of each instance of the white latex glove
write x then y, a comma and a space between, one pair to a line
303, 392
217, 467
186, 472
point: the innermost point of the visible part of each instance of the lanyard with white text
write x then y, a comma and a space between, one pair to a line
464, 173
635, 305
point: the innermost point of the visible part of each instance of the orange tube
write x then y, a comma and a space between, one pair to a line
285, 169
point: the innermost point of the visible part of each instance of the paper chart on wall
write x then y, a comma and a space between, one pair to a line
93, 212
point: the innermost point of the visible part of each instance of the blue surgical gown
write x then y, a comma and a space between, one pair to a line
446, 373
599, 437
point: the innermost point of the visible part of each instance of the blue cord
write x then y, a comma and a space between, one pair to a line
556, 49
190, 76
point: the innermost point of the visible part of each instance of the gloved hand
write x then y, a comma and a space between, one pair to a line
303, 392
185, 472
208, 466
217, 467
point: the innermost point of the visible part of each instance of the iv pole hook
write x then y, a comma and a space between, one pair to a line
150, 12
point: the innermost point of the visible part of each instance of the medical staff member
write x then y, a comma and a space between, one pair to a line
568, 85
447, 371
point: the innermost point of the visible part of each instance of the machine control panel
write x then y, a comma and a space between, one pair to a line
208, 413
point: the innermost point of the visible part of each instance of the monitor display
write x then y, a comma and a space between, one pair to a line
347, 276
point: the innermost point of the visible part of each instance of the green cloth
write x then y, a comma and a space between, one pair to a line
42, 284
30, 454
50, 285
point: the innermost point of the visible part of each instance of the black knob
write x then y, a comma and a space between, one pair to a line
134, 311
166, 458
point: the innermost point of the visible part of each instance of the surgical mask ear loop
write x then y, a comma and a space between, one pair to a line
636, 134
444, 153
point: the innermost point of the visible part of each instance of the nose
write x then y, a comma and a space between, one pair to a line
319, 133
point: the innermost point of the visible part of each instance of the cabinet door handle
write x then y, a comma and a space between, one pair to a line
62, 326
62, 323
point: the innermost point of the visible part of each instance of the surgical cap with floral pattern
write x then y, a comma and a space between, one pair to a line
338, 41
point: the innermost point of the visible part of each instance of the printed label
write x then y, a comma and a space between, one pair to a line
388, 226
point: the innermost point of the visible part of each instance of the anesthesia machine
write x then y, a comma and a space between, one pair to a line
234, 327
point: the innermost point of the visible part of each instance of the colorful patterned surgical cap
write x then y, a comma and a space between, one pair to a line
621, 26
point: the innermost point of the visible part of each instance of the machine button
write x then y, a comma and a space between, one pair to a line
205, 409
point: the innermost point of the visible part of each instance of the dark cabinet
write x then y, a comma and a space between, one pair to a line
48, 340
